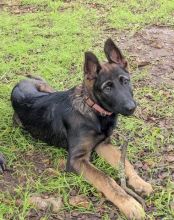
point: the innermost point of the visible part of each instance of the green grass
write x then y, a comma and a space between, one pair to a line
51, 43
134, 14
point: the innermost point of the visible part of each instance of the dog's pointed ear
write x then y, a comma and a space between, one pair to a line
113, 53
91, 66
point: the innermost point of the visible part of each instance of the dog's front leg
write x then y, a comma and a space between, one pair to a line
112, 155
112, 191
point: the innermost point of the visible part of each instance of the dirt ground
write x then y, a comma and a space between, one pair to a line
153, 47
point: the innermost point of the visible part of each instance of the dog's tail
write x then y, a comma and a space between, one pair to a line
25, 90
34, 77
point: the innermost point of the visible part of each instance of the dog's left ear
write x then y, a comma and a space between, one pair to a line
113, 53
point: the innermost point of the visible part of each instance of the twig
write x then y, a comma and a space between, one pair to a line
123, 176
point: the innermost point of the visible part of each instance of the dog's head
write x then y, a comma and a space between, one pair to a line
109, 83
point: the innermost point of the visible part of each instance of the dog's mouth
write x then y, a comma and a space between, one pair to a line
128, 112
123, 111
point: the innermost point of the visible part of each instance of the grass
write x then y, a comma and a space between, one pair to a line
50, 42
135, 14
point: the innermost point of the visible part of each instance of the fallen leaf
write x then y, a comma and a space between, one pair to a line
172, 205
44, 203
138, 164
145, 167
39, 202
157, 45
169, 158
142, 63
73, 192
79, 200
75, 213
163, 175
56, 203
170, 148
151, 119
52, 172
62, 164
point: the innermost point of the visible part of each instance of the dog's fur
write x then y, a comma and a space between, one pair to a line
64, 119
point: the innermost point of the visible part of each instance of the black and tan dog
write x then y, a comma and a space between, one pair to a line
82, 119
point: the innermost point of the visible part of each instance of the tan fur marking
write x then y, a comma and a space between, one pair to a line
113, 192
43, 87
89, 85
112, 155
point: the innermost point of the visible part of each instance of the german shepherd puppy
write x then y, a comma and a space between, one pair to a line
82, 119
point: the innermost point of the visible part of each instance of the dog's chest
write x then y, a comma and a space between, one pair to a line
106, 125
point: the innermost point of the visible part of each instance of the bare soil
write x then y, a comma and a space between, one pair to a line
153, 48
15, 7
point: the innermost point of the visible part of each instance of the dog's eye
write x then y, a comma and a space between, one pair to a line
107, 89
124, 80
107, 86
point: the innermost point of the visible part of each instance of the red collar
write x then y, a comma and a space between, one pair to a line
96, 107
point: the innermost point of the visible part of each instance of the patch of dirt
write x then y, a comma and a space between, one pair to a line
40, 160
162, 170
19, 174
8, 182
152, 47
101, 208
15, 7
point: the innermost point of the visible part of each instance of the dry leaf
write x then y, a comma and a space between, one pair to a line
39, 202
142, 63
169, 158
44, 203
52, 172
56, 203
79, 200
172, 205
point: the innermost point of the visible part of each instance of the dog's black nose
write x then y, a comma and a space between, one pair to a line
131, 106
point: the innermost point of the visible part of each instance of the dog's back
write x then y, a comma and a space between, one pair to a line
40, 112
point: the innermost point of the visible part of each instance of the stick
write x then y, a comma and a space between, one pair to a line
123, 176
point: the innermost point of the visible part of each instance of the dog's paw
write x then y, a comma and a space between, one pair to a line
132, 209
140, 186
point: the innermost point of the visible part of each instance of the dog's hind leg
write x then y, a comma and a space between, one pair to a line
112, 191
112, 155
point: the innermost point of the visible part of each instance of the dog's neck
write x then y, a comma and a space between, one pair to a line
91, 101
96, 107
